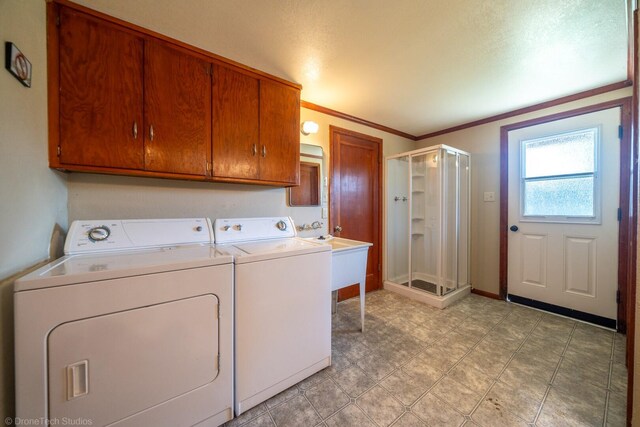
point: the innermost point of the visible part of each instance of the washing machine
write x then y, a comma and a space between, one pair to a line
283, 305
132, 327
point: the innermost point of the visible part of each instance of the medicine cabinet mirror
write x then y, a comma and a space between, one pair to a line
309, 192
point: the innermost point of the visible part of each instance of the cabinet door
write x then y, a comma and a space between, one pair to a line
100, 93
279, 133
177, 106
236, 132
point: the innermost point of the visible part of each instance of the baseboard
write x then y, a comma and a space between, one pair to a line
485, 294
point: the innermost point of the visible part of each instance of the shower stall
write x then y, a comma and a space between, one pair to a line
427, 224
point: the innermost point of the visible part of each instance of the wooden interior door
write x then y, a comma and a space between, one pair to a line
177, 88
100, 93
236, 121
355, 201
279, 133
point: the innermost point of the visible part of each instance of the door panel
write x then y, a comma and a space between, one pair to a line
580, 265
100, 94
567, 261
534, 259
236, 132
177, 111
355, 196
279, 133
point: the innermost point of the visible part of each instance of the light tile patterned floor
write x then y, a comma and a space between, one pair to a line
479, 362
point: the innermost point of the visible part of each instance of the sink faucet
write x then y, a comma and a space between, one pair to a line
313, 226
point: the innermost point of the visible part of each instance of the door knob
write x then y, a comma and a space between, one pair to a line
337, 229
513, 228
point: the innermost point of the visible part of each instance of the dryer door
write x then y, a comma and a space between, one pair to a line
113, 366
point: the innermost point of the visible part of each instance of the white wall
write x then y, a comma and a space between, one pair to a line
483, 142
34, 198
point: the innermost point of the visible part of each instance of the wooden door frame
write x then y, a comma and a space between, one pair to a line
627, 237
333, 130
631, 292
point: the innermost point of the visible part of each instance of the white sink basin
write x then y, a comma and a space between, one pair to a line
349, 265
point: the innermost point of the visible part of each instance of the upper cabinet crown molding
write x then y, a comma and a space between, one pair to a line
126, 100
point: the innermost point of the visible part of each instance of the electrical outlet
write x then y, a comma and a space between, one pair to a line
489, 196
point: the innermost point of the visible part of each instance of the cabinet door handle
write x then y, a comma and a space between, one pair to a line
255, 149
151, 132
135, 130
264, 151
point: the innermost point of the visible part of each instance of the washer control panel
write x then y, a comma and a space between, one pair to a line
111, 235
99, 233
233, 230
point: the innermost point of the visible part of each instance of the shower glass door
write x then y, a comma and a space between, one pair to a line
425, 220
463, 231
398, 220
450, 223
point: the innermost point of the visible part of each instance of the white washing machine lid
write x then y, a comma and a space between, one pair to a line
73, 269
271, 249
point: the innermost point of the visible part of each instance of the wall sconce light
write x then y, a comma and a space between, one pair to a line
308, 127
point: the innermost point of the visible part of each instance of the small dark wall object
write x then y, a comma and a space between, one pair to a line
17, 64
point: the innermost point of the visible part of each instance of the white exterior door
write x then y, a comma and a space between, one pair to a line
563, 212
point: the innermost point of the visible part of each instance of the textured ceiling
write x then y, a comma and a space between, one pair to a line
414, 65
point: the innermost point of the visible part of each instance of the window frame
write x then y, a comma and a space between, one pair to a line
596, 218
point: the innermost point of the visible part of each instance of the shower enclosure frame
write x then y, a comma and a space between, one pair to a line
444, 295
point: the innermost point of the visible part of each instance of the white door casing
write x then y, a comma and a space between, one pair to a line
568, 264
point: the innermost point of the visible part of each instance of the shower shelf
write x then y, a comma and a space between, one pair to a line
417, 191
418, 218
417, 175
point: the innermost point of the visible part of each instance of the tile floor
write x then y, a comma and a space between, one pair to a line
479, 362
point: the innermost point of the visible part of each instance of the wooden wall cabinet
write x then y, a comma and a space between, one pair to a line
124, 100
279, 124
236, 124
100, 94
256, 128
177, 111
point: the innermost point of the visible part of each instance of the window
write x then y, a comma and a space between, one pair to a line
559, 177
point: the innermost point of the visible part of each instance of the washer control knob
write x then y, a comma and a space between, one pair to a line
199, 228
282, 226
98, 234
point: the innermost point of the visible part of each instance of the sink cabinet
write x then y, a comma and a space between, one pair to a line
124, 100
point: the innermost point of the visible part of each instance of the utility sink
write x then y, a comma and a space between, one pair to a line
348, 266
